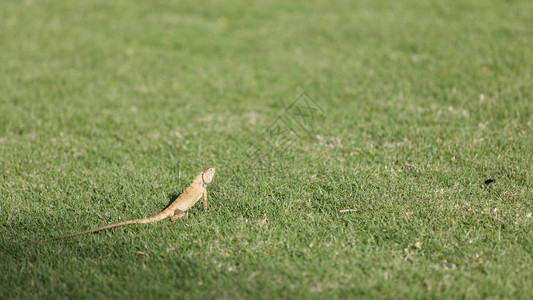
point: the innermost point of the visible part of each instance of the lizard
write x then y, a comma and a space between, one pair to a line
175, 210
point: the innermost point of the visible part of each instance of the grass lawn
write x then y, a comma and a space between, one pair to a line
400, 109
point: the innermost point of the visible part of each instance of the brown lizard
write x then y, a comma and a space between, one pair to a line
177, 209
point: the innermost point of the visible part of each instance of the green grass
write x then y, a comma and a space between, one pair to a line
109, 108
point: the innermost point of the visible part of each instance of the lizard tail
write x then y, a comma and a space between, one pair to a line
143, 220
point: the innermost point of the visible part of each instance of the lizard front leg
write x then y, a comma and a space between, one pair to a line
204, 193
178, 213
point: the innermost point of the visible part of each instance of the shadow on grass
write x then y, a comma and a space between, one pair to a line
171, 197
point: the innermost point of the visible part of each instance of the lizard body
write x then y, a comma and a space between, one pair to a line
175, 210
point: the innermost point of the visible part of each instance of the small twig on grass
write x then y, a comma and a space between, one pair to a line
349, 210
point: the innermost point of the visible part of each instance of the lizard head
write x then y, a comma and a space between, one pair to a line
207, 174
